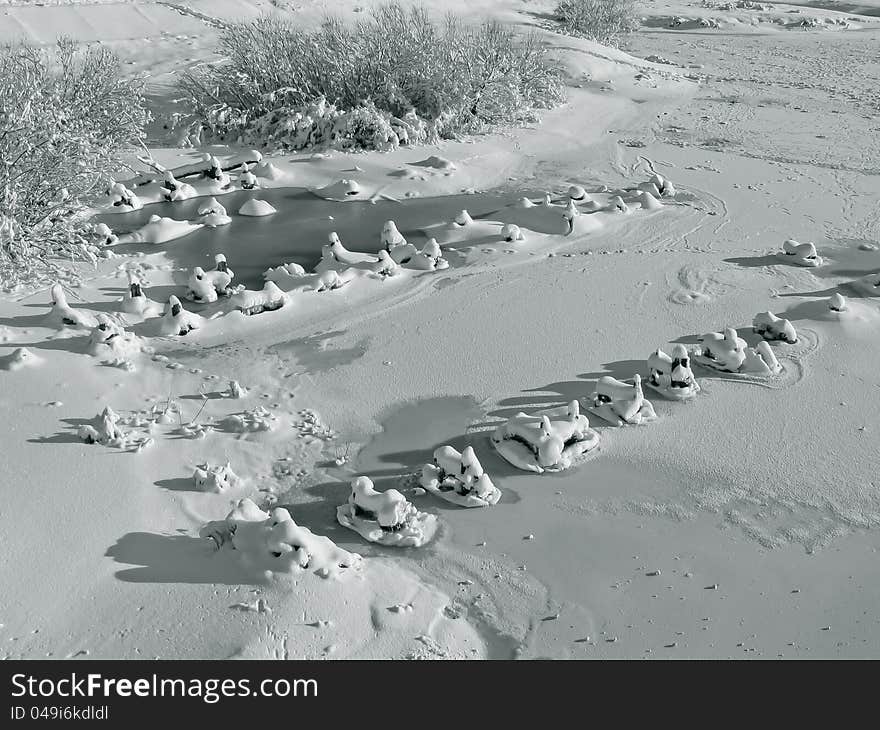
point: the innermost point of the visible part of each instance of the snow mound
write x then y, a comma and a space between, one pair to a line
257, 208
436, 162
252, 421
868, 285
204, 286
538, 444
160, 230
578, 194
213, 214
459, 478
341, 190
729, 353
620, 403
177, 321
648, 201
672, 376
512, 233
273, 541
267, 170
386, 518
109, 339
173, 190
19, 358
800, 254
220, 478
134, 301
286, 276
235, 390
430, 258
124, 199
837, 302
63, 315
268, 299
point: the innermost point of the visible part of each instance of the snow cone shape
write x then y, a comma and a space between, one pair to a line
19, 358
391, 237
247, 179
771, 327
524, 203
577, 193
123, 199
837, 302
329, 280
722, 350
430, 258
459, 478
512, 233
268, 299
104, 431
385, 517
463, 219
257, 208
273, 541
617, 205
621, 403
173, 190
537, 443
63, 315
385, 266
760, 359
801, 254
672, 376
213, 214
177, 321
207, 478
648, 201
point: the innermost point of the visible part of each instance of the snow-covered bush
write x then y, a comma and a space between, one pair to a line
600, 20
395, 77
65, 116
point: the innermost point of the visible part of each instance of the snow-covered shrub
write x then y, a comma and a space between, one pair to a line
600, 20
65, 116
395, 77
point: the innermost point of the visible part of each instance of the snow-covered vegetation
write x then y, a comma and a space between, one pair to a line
66, 116
397, 77
600, 20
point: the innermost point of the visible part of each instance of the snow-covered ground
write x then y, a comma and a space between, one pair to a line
742, 522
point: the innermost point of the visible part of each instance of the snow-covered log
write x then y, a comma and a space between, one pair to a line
385, 517
268, 299
193, 169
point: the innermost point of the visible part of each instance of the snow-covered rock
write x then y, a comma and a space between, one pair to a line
664, 187
124, 199
837, 302
771, 327
722, 350
801, 254
618, 402
247, 179
671, 376
257, 208
385, 266
617, 205
578, 194
459, 478
329, 280
213, 214
134, 301
174, 190
177, 321
761, 359
63, 315
108, 339
105, 429
286, 276
219, 478
512, 233
430, 258
386, 517
253, 421
537, 443
204, 286
463, 219
104, 235
267, 170
273, 541
160, 230
235, 390
268, 299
